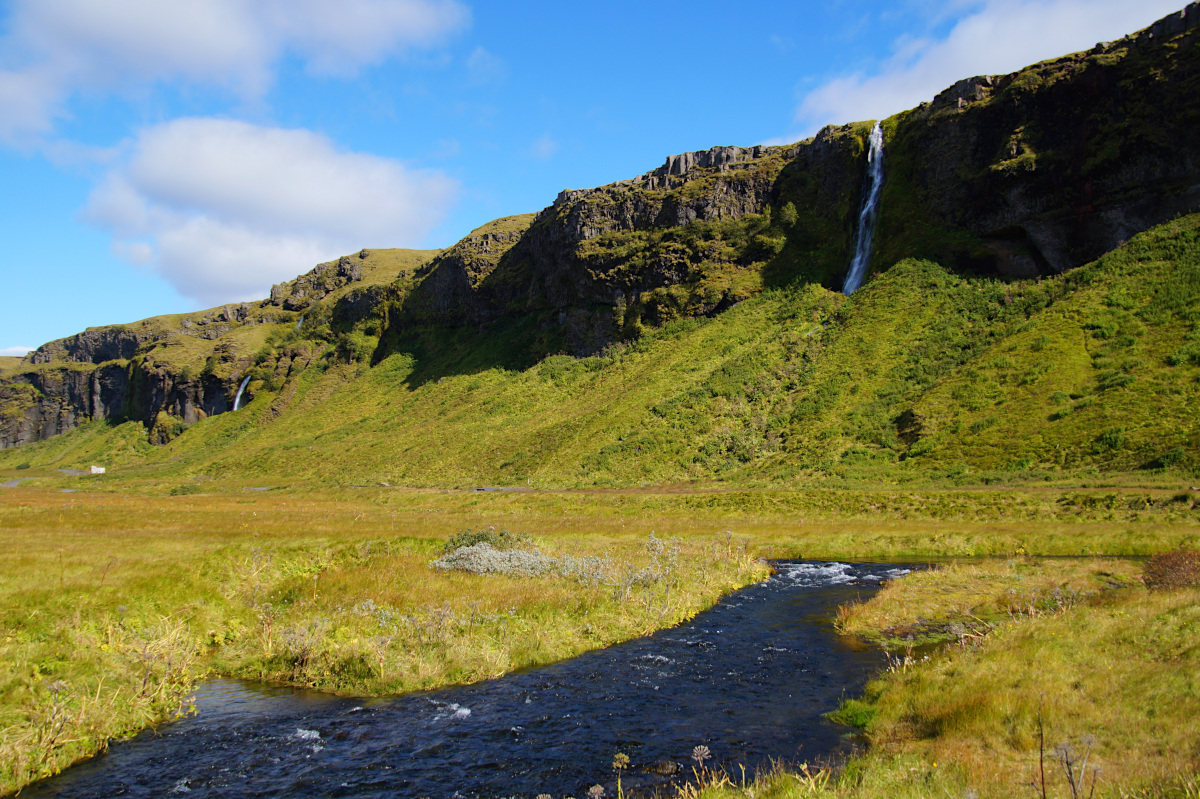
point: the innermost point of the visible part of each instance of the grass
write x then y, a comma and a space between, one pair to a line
114, 603
1049, 656
925, 378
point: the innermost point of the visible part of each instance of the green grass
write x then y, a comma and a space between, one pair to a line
1046, 654
923, 378
112, 606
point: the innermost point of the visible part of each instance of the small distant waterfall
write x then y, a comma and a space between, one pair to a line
868, 215
237, 399
300, 322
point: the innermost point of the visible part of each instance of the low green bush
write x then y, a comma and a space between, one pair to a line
498, 539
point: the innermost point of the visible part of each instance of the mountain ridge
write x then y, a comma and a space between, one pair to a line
1021, 176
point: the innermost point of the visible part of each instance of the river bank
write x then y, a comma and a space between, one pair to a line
114, 604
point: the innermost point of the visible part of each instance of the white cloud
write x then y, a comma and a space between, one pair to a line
15, 352
222, 209
999, 37
56, 48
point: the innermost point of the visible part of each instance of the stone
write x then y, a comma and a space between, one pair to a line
665, 768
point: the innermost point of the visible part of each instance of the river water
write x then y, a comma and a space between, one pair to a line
749, 678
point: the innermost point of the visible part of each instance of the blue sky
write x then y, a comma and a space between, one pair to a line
167, 157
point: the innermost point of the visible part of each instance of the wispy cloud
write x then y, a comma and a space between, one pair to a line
996, 37
15, 352
484, 68
544, 148
223, 209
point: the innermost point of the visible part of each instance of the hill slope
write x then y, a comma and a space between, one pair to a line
924, 374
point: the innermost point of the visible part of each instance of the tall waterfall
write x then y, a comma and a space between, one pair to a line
237, 399
868, 215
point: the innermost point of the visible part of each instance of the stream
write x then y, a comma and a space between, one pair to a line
749, 678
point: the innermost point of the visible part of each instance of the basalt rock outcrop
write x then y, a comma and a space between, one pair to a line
1048, 168
683, 239
94, 345
318, 283
39, 404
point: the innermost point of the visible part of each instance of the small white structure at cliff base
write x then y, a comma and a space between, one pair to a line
97, 470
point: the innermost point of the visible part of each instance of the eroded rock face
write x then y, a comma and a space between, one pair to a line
38, 405
584, 261
317, 283
1053, 166
94, 345
449, 292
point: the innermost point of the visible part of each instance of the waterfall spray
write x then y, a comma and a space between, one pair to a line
868, 215
237, 399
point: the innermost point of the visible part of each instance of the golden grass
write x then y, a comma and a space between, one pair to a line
972, 597
112, 604
1086, 658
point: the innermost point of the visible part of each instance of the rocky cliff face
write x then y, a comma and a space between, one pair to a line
95, 345
1048, 168
117, 372
38, 404
679, 240
318, 283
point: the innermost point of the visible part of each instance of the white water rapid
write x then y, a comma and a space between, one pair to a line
237, 399
867, 216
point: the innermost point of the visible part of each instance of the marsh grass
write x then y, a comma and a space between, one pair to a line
1109, 672
114, 605
125, 599
962, 602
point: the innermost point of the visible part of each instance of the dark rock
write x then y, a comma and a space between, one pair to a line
665, 768
95, 345
317, 283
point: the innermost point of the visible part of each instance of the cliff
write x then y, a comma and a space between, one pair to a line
169, 372
1017, 176
1048, 168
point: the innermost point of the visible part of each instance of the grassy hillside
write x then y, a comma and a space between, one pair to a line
924, 375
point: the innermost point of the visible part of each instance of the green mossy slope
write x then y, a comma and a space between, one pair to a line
923, 375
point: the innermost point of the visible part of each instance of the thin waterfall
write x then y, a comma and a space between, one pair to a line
865, 235
300, 322
237, 399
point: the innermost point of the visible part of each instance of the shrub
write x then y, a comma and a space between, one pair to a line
1188, 354
501, 539
788, 215
487, 551
853, 713
483, 558
1111, 439
1169, 458
25, 465
1177, 569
